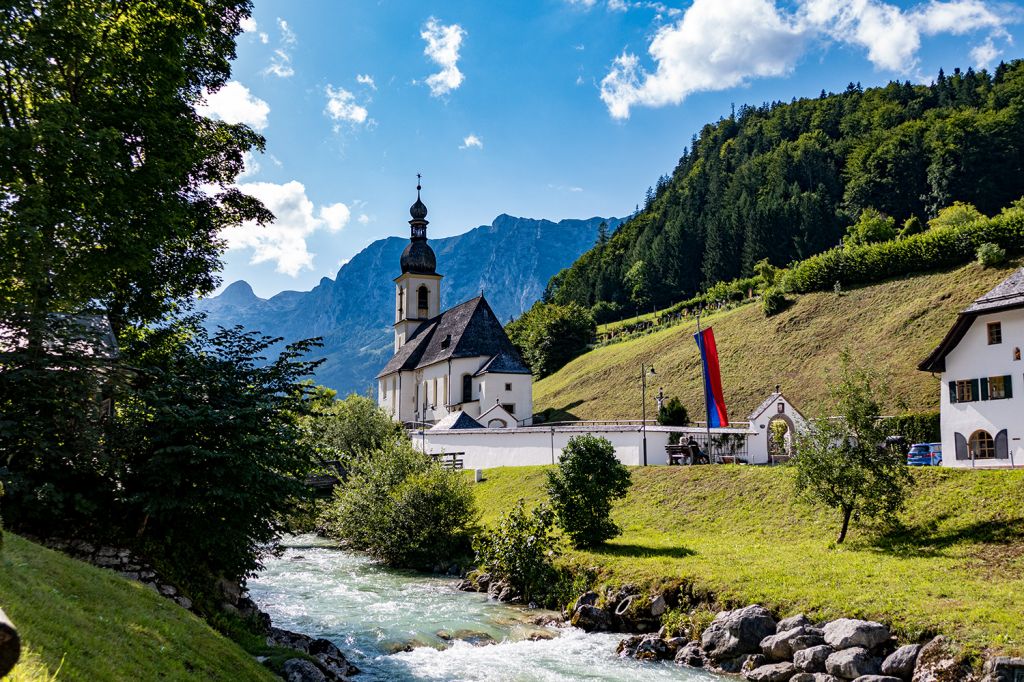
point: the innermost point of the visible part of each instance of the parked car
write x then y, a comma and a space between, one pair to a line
925, 454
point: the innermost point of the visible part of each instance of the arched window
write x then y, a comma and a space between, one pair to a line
467, 388
422, 300
982, 445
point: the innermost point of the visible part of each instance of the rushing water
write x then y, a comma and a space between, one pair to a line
397, 625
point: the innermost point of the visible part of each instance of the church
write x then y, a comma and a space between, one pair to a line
456, 365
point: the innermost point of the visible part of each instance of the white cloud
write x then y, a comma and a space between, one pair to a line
248, 25
250, 165
233, 103
985, 54
264, 38
585, 4
342, 107
443, 44
471, 141
579, 80
283, 242
363, 219
720, 44
367, 80
281, 62
565, 188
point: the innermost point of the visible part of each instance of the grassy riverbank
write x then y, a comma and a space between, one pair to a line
956, 566
90, 624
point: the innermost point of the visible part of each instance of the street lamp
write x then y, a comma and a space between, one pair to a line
643, 399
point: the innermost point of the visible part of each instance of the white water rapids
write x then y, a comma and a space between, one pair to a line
396, 625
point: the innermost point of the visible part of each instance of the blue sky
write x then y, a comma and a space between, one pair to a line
543, 109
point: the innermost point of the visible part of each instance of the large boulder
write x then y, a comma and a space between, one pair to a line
1002, 669
814, 677
900, 663
691, 655
797, 621
591, 619
782, 646
301, 670
941, 660
812, 659
773, 672
658, 605
877, 678
733, 633
289, 640
10, 645
849, 664
850, 632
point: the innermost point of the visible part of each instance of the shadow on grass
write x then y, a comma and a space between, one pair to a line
640, 551
926, 539
559, 414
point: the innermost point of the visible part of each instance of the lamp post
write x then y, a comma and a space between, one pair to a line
643, 399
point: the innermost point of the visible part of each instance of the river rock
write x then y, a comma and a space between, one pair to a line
850, 632
877, 678
588, 598
814, 677
658, 605
773, 672
301, 670
852, 663
691, 655
942, 660
797, 621
782, 646
812, 659
289, 640
751, 661
653, 648
900, 663
591, 619
628, 646
331, 658
733, 633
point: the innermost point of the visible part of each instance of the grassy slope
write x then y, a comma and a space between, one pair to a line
892, 325
957, 566
94, 625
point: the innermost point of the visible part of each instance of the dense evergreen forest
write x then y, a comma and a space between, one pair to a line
784, 181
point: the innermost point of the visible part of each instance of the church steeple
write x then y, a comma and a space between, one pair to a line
418, 288
418, 258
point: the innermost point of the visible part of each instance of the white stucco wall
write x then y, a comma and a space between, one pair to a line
974, 358
492, 390
757, 445
525, 446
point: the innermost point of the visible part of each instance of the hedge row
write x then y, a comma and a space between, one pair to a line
937, 248
918, 427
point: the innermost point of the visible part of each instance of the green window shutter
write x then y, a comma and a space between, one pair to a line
984, 387
975, 390
1008, 383
952, 392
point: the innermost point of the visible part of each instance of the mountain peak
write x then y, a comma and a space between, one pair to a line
238, 293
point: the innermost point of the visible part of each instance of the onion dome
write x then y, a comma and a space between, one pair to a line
418, 258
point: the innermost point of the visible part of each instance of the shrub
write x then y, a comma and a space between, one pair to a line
957, 215
672, 413
606, 311
871, 227
349, 429
773, 302
520, 549
549, 335
588, 478
921, 427
991, 255
912, 226
403, 508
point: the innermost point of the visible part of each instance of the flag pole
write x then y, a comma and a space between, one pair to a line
707, 403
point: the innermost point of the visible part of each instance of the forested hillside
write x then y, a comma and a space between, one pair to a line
784, 181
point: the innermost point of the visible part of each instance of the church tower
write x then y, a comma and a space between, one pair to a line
418, 288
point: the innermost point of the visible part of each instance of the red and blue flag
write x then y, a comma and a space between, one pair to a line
717, 416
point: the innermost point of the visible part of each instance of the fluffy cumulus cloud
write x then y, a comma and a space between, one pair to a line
283, 242
281, 61
719, 44
342, 106
234, 103
248, 25
471, 141
443, 45
367, 80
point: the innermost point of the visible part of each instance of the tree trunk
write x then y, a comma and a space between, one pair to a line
847, 513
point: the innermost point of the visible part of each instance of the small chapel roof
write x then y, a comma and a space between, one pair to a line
468, 330
1006, 295
457, 420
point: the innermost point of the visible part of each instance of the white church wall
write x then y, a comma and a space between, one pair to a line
519, 393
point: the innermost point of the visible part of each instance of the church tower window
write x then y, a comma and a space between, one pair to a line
423, 300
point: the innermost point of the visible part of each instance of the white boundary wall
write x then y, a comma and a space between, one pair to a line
533, 445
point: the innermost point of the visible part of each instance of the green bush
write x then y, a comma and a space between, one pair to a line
939, 247
672, 413
403, 508
991, 255
588, 478
957, 215
520, 550
548, 335
343, 430
773, 302
921, 427
871, 227
606, 311
912, 226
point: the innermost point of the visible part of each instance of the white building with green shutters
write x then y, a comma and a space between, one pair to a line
982, 394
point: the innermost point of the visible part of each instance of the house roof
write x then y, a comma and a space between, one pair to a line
498, 412
468, 330
457, 420
768, 402
1007, 295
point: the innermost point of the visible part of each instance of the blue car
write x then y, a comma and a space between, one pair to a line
925, 454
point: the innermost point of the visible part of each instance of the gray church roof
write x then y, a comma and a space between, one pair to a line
1006, 295
457, 420
468, 330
